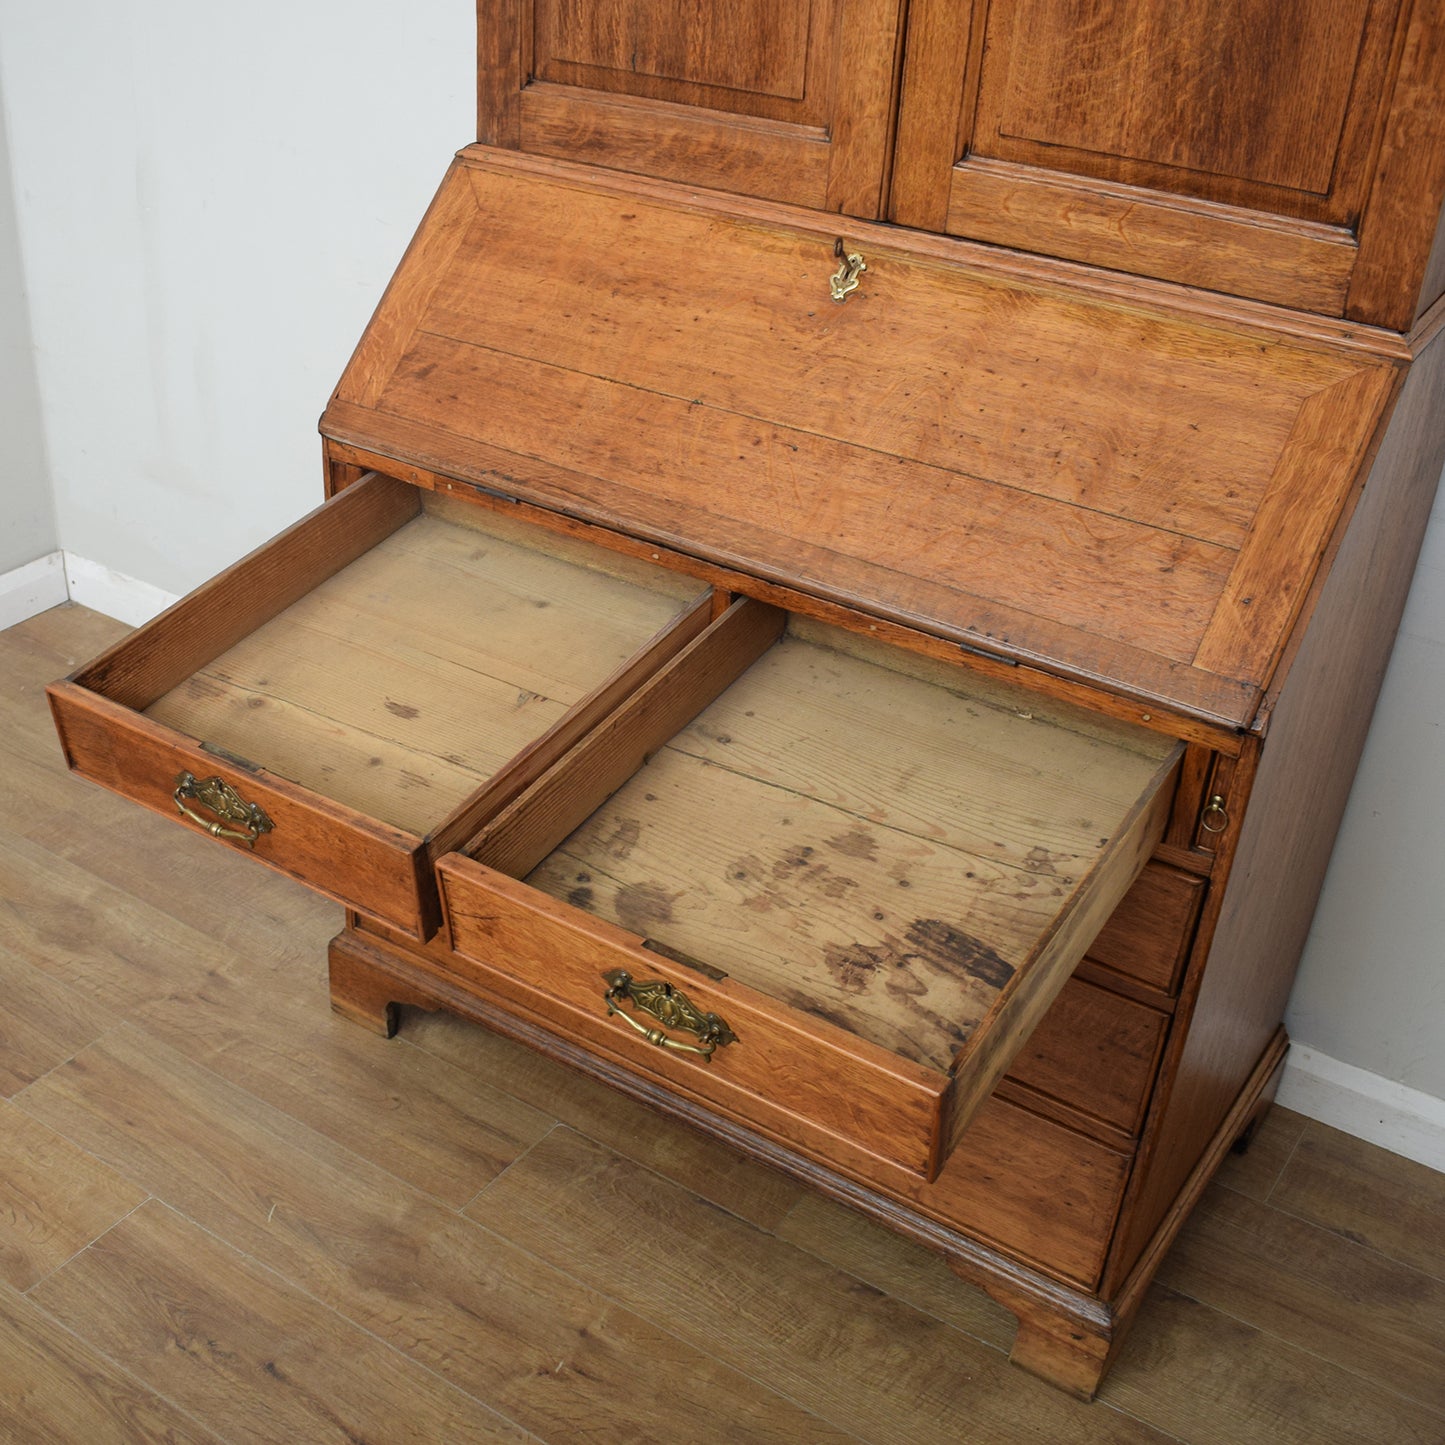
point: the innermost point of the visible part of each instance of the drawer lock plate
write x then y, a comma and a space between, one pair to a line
229, 806
671, 1008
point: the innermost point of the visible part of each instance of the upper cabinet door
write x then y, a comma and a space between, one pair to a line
1286, 150
791, 100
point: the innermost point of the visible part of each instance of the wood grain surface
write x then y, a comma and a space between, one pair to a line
59, 1387
608, 1271
1038, 1191
203, 1325
1115, 529
1290, 159
847, 837
379, 680
1296, 786
880, 850
791, 99
1293, 162
404, 682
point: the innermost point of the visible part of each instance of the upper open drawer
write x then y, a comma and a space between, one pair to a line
362, 692
853, 878
1111, 489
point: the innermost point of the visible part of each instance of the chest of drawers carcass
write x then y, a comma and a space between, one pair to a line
880, 697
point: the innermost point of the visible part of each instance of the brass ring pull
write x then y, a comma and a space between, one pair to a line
222, 799
1214, 809
669, 1006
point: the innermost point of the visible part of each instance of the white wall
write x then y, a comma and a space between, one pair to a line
210, 200
27, 513
1371, 989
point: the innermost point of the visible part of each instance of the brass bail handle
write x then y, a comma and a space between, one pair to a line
851, 266
668, 1005
229, 806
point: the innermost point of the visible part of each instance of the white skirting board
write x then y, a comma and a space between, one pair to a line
35, 587
1400, 1119
1397, 1118
127, 599
62, 576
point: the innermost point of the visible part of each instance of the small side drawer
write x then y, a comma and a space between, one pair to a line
1148, 936
1091, 1063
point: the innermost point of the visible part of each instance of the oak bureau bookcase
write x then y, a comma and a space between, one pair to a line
862, 541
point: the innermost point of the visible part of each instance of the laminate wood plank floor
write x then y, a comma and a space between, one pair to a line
227, 1215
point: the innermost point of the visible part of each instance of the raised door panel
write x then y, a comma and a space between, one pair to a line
1234, 101
784, 99
1236, 146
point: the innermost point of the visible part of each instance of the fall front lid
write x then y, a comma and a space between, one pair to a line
1094, 484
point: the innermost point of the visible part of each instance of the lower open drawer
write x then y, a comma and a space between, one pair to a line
823, 887
365, 690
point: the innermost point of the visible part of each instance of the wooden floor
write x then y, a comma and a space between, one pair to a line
226, 1214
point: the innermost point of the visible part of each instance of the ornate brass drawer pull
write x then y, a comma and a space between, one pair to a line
851, 266
669, 1006
222, 799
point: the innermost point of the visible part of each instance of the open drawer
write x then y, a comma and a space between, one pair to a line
360, 694
820, 886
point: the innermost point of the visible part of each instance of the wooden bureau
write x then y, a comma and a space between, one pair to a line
883, 698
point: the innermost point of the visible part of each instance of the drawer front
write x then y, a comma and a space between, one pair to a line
1035, 1189
1091, 1063
1149, 934
793, 1078
352, 859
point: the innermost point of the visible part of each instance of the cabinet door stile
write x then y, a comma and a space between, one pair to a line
932, 112
1401, 270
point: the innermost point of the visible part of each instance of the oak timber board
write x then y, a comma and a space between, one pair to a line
406, 680
1094, 484
857, 834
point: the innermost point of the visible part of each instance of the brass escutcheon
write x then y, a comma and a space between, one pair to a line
844, 281
670, 1006
222, 799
